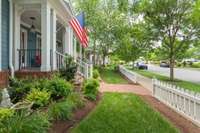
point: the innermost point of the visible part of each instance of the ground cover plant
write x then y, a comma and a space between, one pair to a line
90, 88
184, 84
39, 98
59, 88
24, 123
96, 74
124, 113
61, 110
110, 75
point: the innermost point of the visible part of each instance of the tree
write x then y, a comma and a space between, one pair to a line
134, 42
170, 23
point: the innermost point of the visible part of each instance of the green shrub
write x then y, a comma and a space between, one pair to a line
61, 110
90, 88
196, 65
59, 88
96, 74
6, 113
40, 98
19, 88
179, 64
69, 69
21, 123
41, 83
76, 99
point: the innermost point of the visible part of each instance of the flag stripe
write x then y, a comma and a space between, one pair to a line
81, 30
77, 24
76, 29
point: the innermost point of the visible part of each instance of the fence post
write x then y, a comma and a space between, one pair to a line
153, 86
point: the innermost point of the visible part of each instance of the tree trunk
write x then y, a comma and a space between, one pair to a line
172, 69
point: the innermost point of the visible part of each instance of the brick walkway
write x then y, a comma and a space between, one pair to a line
184, 125
129, 88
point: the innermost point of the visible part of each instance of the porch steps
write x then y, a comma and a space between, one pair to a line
78, 82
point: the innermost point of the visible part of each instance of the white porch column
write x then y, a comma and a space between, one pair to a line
53, 39
75, 53
72, 42
0, 38
67, 40
45, 29
65, 44
17, 37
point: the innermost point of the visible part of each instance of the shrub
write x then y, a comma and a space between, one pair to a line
19, 88
40, 98
96, 74
196, 65
76, 99
61, 110
21, 123
41, 83
6, 113
59, 88
91, 88
69, 69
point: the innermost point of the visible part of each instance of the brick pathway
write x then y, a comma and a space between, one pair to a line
129, 88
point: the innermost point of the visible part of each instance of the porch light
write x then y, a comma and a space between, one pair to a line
33, 29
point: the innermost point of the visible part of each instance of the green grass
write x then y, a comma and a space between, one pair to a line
123, 113
109, 75
184, 84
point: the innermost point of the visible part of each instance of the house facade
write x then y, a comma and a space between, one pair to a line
34, 36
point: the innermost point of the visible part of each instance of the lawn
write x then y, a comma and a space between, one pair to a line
109, 75
184, 84
123, 113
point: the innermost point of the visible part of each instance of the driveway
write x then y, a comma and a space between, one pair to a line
179, 73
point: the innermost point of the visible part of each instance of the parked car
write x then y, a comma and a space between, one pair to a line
164, 64
142, 65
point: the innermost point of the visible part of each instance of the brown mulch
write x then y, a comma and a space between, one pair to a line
184, 125
65, 126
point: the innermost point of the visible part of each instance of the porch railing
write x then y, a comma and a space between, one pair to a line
85, 69
29, 58
60, 59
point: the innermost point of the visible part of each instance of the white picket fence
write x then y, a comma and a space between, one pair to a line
128, 74
185, 102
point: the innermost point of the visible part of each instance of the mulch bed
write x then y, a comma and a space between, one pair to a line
78, 115
184, 125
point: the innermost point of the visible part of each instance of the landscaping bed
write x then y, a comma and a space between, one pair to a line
43, 105
78, 115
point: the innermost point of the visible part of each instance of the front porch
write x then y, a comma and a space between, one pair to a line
41, 35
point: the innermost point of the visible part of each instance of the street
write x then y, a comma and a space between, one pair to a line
179, 73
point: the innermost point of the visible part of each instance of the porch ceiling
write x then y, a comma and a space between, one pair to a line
25, 17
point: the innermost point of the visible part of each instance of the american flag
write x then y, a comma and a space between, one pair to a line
78, 25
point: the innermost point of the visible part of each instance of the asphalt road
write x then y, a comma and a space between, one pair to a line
179, 73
